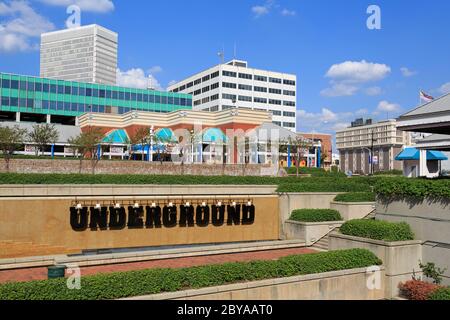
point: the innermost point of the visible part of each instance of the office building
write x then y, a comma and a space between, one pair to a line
32, 99
368, 147
235, 85
84, 54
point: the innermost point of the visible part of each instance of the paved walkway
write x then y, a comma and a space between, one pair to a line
23, 275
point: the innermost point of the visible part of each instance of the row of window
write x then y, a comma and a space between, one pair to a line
231, 74
89, 92
278, 113
52, 105
257, 78
231, 85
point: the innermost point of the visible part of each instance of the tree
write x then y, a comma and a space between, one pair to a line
141, 136
298, 145
43, 135
10, 140
87, 145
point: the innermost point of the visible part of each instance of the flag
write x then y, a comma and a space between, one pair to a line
425, 97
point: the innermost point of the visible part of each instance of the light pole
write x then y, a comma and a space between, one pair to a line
150, 152
192, 132
373, 140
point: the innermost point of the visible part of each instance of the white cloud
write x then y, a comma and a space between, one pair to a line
347, 77
155, 70
445, 88
99, 6
262, 10
407, 73
358, 72
288, 13
374, 91
21, 23
387, 107
339, 89
136, 78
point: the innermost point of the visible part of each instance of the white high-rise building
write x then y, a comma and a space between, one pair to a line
235, 85
84, 54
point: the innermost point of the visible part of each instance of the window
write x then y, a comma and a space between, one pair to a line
289, 82
215, 74
260, 100
190, 84
276, 102
278, 123
74, 91
275, 91
197, 92
197, 82
14, 102
260, 78
245, 87
67, 90
275, 80
260, 89
215, 108
214, 86
229, 85
289, 124
197, 102
245, 76
214, 97
115, 95
205, 100
60, 89
229, 96
14, 84
82, 92
289, 93
5, 85
5, 101
88, 92
229, 74
133, 96
38, 86
102, 94
289, 103
23, 85
245, 98
205, 89
289, 114
276, 112
182, 88
206, 78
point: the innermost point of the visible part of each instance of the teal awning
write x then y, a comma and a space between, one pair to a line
166, 135
118, 136
214, 135
414, 154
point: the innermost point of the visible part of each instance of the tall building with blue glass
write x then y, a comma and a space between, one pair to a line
33, 99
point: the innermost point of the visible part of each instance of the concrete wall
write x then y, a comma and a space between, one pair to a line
351, 211
337, 285
311, 232
293, 201
430, 221
41, 215
135, 167
400, 259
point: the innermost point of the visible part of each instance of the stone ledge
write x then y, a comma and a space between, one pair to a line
250, 285
377, 242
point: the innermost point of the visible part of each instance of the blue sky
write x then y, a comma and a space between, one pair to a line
344, 69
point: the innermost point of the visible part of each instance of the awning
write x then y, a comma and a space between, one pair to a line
414, 154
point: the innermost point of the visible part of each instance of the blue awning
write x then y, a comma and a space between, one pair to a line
414, 154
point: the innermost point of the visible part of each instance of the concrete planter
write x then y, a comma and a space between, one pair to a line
401, 259
353, 210
429, 219
337, 285
310, 232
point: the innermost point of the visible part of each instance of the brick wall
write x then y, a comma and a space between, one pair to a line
133, 167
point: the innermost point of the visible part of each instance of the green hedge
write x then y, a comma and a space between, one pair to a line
416, 189
440, 294
378, 230
356, 197
145, 282
331, 184
389, 173
315, 172
315, 215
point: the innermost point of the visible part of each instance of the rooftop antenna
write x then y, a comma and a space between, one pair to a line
221, 56
235, 50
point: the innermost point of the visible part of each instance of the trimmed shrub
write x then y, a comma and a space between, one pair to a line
356, 197
378, 230
315, 215
417, 290
440, 294
145, 282
331, 184
415, 189
389, 173
315, 172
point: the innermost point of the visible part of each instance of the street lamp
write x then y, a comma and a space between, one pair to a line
152, 134
373, 140
192, 132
